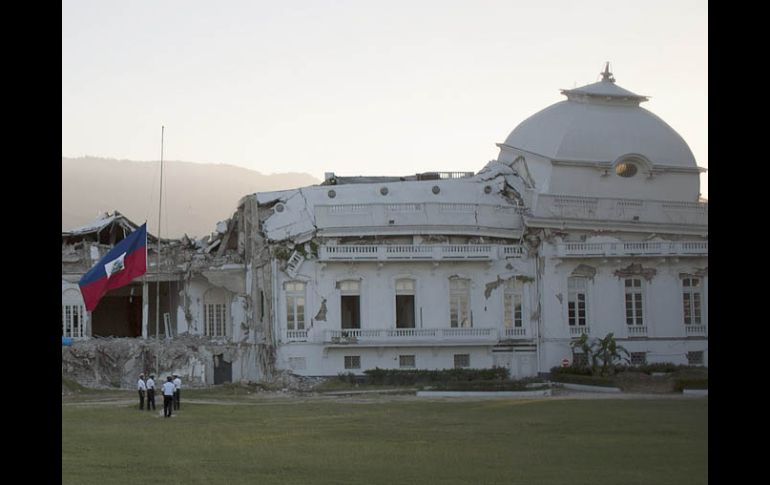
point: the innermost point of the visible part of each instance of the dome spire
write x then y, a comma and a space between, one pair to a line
604, 91
607, 75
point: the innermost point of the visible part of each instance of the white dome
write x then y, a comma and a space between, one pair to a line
601, 122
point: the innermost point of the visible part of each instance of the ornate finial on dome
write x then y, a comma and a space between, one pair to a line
607, 75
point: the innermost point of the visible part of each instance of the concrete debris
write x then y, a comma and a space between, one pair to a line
288, 381
117, 362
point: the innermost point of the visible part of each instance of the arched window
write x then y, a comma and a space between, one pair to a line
295, 305
459, 302
215, 313
691, 300
512, 303
577, 311
634, 290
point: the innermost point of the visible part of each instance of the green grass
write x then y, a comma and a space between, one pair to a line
401, 442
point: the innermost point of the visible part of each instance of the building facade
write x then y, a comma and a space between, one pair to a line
588, 222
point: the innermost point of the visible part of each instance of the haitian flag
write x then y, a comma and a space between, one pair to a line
126, 261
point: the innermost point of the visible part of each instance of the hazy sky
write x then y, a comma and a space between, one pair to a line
362, 87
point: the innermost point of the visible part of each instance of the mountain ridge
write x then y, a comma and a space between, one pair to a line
195, 195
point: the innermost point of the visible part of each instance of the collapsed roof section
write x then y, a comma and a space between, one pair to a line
489, 203
331, 179
84, 245
106, 229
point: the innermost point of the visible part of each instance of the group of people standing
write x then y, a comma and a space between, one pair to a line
171, 393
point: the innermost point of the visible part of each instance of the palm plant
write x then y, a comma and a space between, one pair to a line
608, 352
585, 347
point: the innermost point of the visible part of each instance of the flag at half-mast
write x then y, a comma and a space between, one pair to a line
124, 262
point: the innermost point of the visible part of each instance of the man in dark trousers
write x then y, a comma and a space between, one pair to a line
177, 389
141, 387
168, 396
151, 392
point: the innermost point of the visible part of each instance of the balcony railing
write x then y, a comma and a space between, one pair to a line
695, 330
515, 332
296, 335
400, 336
424, 252
578, 330
615, 209
411, 335
635, 248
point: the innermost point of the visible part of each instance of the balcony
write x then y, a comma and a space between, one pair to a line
621, 249
633, 211
425, 252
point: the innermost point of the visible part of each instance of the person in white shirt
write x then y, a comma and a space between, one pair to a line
151, 392
141, 387
168, 396
177, 388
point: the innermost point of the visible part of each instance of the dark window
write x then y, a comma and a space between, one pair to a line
352, 361
695, 358
462, 361
351, 311
638, 358
404, 311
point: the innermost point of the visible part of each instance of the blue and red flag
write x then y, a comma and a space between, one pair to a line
126, 261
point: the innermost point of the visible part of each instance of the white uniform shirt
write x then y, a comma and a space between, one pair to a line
141, 386
168, 388
177, 383
150, 383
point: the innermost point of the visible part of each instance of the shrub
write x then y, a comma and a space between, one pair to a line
348, 377
572, 370
658, 367
401, 377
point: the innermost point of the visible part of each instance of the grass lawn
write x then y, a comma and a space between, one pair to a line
501, 441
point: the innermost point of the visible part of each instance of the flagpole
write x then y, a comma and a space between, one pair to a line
157, 264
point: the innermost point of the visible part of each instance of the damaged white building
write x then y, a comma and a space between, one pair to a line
589, 221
